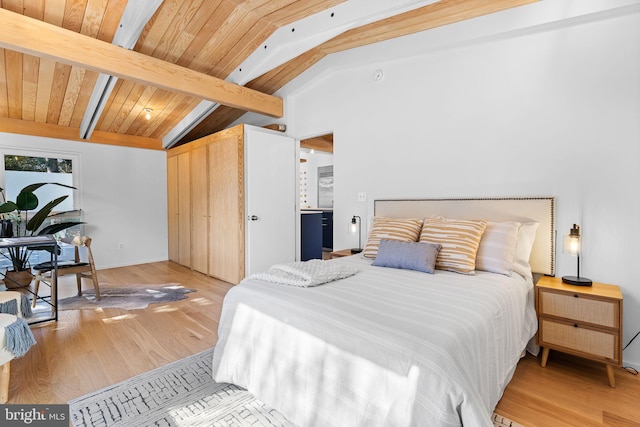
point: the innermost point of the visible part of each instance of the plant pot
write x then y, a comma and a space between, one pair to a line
17, 279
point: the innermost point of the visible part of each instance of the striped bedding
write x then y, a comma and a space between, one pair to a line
385, 347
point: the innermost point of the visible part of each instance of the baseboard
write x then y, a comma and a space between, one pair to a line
149, 261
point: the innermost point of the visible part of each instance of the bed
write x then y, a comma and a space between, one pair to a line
390, 346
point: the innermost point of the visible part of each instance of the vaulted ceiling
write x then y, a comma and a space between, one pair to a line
93, 70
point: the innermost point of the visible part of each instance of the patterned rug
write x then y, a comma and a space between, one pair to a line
132, 297
182, 393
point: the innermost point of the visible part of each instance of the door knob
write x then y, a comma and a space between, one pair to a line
253, 218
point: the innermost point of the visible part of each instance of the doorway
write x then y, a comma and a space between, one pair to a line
316, 196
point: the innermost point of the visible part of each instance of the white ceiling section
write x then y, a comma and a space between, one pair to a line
292, 40
136, 15
529, 18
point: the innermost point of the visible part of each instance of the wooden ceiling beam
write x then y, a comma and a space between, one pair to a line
49, 130
319, 143
68, 47
434, 15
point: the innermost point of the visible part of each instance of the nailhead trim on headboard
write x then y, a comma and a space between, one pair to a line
546, 217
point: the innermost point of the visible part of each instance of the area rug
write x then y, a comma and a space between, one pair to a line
181, 394
132, 297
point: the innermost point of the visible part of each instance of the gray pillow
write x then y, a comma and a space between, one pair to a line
419, 256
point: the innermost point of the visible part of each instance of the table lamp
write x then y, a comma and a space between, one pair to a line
356, 225
572, 246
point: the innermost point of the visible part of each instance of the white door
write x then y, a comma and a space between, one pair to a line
270, 173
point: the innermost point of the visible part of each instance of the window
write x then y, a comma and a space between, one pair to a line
24, 170
20, 168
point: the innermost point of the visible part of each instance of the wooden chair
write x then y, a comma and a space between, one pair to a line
82, 269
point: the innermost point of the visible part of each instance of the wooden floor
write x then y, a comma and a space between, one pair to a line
87, 350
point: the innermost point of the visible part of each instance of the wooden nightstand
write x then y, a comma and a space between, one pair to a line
341, 253
585, 321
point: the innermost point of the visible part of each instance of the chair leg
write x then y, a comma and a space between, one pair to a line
96, 284
79, 282
5, 374
36, 286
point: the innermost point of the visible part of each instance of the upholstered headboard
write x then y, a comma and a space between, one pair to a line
521, 209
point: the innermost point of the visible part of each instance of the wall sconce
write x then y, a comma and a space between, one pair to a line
147, 113
572, 246
356, 225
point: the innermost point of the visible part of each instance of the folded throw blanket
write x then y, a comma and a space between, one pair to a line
305, 273
11, 306
19, 337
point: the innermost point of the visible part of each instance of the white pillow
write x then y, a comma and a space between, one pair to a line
526, 237
497, 249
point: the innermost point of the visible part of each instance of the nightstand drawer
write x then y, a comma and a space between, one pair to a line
575, 337
574, 306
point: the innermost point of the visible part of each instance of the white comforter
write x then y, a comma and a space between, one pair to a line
384, 347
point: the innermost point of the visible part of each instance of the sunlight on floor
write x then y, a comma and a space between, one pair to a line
118, 318
164, 309
201, 301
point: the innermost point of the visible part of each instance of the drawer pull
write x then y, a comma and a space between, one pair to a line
575, 296
575, 325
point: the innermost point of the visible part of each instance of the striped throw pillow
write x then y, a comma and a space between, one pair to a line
459, 239
497, 249
403, 229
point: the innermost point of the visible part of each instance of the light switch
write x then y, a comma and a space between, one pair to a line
362, 196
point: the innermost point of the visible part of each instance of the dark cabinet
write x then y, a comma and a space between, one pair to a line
311, 236
327, 230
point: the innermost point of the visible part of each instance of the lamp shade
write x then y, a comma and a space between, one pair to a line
572, 241
353, 227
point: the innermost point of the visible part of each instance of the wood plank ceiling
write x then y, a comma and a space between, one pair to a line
46, 97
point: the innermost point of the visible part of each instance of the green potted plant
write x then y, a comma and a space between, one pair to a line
30, 225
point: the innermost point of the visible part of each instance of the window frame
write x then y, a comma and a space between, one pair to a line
67, 155
75, 167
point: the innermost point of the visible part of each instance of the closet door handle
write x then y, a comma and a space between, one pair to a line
253, 218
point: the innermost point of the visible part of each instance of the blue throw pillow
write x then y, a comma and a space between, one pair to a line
420, 256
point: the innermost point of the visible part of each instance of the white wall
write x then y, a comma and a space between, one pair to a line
123, 195
552, 108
